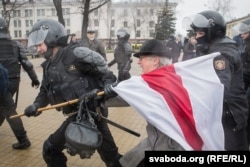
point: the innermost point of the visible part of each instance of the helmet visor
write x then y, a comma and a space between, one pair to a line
37, 37
241, 28
198, 21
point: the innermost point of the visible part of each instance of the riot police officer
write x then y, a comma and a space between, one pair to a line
69, 72
243, 30
210, 28
173, 47
4, 80
93, 43
12, 54
122, 55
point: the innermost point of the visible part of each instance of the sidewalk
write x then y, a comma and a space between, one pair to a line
39, 128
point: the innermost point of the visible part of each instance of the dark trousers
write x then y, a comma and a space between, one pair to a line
235, 139
123, 75
53, 147
8, 108
248, 119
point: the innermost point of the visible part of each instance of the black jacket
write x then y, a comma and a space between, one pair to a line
71, 73
12, 55
228, 67
245, 55
122, 56
95, 45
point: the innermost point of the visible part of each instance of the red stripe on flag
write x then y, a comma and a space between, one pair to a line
169, 84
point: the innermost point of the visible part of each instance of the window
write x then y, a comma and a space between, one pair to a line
28, 13
125, 24
138, 33
67, 22
16, 13
17, 23
96, 22
96, 12
40, 12
53, 12
152, 33
151, 24
125, 12
68, 31
27, 32
66, 11
138, 23
112, 23
29, 23
18, 34
138, 11
112, 33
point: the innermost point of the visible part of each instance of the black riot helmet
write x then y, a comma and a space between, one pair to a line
48, 31
208, 21
122, 34
171, 37
3, 28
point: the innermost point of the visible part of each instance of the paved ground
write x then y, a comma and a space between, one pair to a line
41, 127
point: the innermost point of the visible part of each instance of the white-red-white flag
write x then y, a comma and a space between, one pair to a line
183, 100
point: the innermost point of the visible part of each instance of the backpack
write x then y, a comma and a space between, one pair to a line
4, 80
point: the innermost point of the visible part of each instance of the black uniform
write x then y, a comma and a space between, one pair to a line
4, 79
246, 74
122, 56
189, 51
95, 45
174, 48
228, 67
12, 55
71, 73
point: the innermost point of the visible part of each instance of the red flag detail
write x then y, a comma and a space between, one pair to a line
166, 82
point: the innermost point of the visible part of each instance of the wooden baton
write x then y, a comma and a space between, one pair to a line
54, 106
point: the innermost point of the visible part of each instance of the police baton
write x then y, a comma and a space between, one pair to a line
55, 106
48, 107
76, 101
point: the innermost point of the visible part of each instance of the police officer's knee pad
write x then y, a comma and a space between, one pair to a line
47, 149
49, 154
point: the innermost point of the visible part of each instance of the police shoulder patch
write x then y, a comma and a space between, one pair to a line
220, 64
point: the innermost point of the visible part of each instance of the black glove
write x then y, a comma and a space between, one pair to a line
31, 110
89, 95
109, 92
35, 83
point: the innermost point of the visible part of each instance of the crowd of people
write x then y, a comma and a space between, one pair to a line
79, 69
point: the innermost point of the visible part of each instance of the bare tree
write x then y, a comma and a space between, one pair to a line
224, 7
90, 6
9, 7
58, 6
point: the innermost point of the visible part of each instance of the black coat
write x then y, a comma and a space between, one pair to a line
228, 67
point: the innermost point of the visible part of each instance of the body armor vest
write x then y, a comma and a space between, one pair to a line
9, 57
65, 82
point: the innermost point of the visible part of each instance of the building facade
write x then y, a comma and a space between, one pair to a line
230, 33
138, 17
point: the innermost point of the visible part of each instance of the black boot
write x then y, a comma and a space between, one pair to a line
115, 162
23, 143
